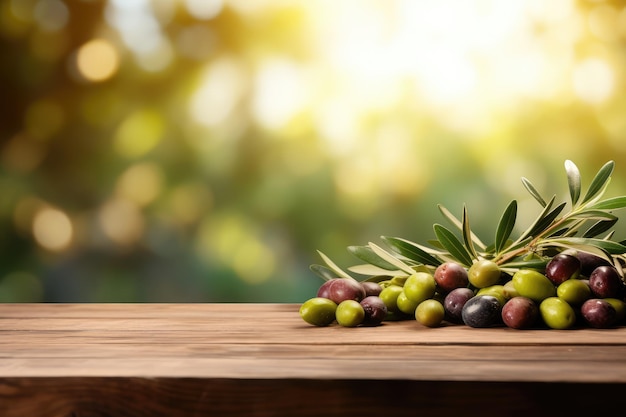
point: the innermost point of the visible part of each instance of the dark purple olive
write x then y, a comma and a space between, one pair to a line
605, 282
375, 310
342, 289
562, 267
589, 262
323, 290
482, 311
520, 313
450, 275
371, 288
598, 313
453, 303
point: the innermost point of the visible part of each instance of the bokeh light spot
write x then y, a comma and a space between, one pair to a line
97, 60
204, 9
253, 262
21, 154
221, 87
121, 221
593, 80
51, 15
139, 133
189, 202
280, 92
52, 229
141, 183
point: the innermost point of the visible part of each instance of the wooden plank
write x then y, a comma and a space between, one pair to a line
191, 397
270, 341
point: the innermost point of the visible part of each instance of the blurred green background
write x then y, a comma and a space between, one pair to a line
204, 150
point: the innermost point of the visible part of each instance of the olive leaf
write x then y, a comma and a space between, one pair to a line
605, 245
412, 250
533, 191
530, 231
573, 180
459, 224
600, 227
505, 226
599, 181
340, 273
373, 270
610, 203
323, 272
467, 233
452, 244
367, 254
531, 264
544, 224
391, 259
593, 214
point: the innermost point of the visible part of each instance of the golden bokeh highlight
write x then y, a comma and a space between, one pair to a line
52, 229
141, 183
236, 243
122, 222
97, 60
139, 133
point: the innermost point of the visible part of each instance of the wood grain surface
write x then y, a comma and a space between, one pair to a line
261, 359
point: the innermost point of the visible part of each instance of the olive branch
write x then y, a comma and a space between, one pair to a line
587, 226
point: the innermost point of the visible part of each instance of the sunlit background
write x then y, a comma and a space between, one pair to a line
204, 150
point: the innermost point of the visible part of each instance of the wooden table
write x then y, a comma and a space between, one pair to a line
172, 360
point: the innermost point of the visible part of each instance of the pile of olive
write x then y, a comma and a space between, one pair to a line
574, 290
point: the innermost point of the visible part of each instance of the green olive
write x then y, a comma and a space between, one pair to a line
389, 295
483, 273
318, 311
350, 313
574, 291
557, 313
430, 313
509, 290
533, 284
420, 286
405, 304
620, 308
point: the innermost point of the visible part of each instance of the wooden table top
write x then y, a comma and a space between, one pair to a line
272, 341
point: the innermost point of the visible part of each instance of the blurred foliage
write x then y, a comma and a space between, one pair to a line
200, 151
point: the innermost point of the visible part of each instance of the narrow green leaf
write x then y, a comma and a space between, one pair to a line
453, 245
323, 272
533, 191
608, 246
340, 272
391, 259
506, 225
573, 180
594, 214
610, 203
520, 263
546, 222
366, 254
532, 228
373, 270
599, 181
459, 224
411, 250
467, 233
